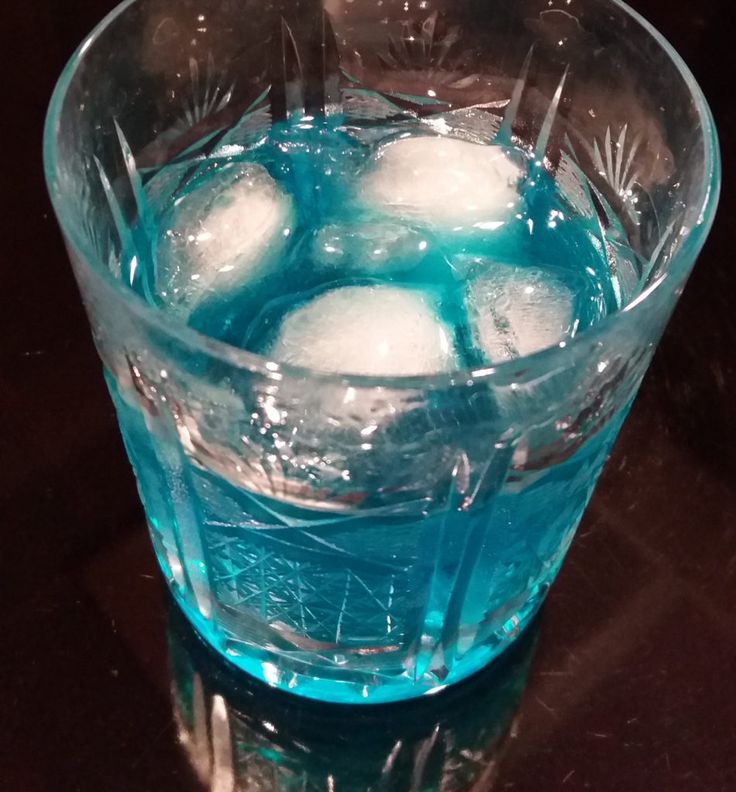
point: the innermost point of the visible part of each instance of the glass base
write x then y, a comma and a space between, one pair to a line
283, 674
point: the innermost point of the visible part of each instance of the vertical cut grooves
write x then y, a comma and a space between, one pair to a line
549, 119
506, 130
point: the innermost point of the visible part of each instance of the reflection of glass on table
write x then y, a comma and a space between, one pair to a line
238, 734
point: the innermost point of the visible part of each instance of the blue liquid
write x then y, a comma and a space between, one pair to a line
406, 578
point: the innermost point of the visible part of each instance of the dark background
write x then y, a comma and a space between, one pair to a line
633, 685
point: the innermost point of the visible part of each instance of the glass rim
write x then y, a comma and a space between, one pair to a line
548, 358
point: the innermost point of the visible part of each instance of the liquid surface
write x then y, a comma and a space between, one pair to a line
477, 237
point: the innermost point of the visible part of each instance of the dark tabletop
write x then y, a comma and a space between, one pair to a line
627, 682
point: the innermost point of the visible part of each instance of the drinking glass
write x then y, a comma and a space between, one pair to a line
363, 538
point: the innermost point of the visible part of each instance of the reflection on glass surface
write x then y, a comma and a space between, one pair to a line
239, 734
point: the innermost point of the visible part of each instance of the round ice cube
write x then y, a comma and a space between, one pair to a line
450, 184
516, 311
371, 329
220, 235
370, 246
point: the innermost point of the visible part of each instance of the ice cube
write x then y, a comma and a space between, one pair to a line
371, 329
516, 311
450, 184
221, 235
370, 247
